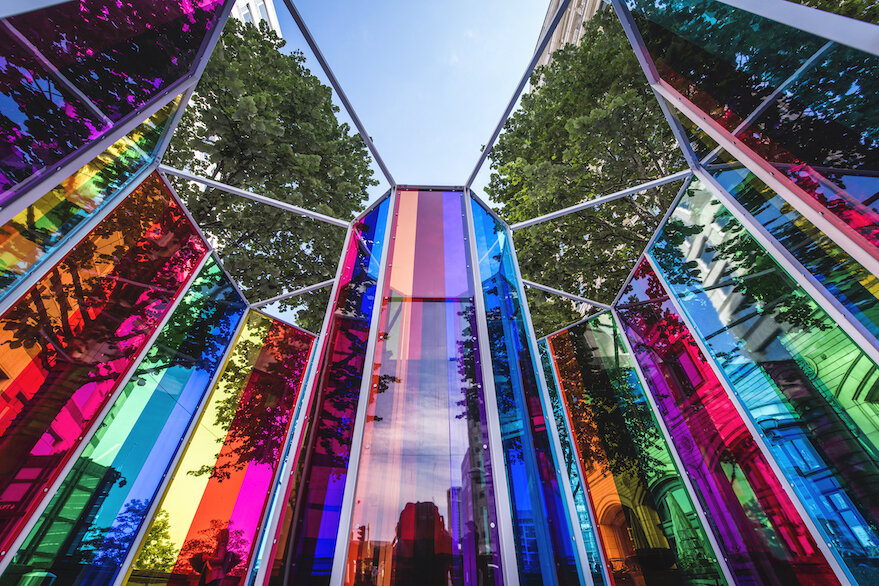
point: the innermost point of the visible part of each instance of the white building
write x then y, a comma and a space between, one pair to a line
570, 29
255, 11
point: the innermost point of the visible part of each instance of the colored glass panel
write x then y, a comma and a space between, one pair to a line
91, 523
307, 532
846, 279
799, 103
119, 54
424, 506
578, 488
810, 390
40, 228
206, 525
650, 530
757, 525
65, 345
541, 525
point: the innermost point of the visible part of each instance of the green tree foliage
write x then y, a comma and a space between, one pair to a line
589, 127
263, 122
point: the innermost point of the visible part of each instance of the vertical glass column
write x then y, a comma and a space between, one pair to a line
307, 532
91, 523
207, 522
585, 512
760, 530
424, 509
542, 525
650, 530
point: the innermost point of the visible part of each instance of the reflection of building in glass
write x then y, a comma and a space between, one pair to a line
718, 424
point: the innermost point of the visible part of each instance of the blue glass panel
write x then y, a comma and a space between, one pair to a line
90, 524
541, 524
811, 392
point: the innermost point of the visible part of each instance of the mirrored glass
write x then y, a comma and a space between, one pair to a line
806, 385
91, 523
585, 514
205, 527
305, 542
67, 343
542, 525
755, 521
424, 504
41, 227
649, 527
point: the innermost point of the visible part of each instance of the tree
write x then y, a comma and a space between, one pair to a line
590, 126
260, 120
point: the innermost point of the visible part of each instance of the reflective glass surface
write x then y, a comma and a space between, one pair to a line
541, 524
206, 524
809, 389
65, 345
756, 524
118, 54
91, 522
34, 232
585, 514
306, 537
846, 279
801, 104
650, 531
424, 507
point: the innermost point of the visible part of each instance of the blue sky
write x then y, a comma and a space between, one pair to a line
429, 80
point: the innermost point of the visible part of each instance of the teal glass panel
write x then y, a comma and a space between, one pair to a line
794, 101
91, 523
650, 530
542, 525
581, 501
810, 391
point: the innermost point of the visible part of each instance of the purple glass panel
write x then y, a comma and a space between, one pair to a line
424, 504
762, 533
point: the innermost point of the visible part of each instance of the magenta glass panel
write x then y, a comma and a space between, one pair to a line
205, 528
424, 506
65, 345
119, 54
305, 543
760, 530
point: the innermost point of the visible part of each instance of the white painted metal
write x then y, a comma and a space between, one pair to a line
560, 293
295, 293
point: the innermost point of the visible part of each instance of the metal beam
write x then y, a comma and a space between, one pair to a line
604, 199
253, 196
834, 27
12, 7
571, 296
303, 28
538, 52
295, 293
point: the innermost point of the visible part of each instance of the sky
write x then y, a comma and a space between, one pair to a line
429, 80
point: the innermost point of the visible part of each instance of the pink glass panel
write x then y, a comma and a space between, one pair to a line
762, 533
65, 345
211, 511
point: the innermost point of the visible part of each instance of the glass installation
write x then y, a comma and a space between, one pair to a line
715, 424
